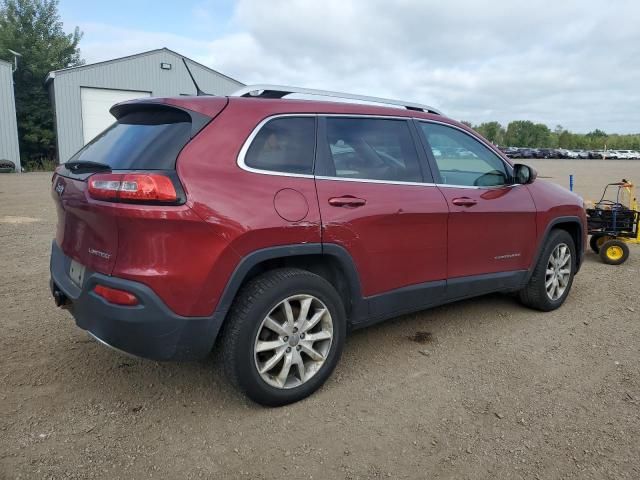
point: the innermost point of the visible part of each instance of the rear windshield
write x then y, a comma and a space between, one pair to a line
146, 140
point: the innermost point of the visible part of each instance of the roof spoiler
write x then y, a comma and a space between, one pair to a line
160, 113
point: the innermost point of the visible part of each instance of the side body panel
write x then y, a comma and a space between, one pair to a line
237, 205
398, 238
496, 234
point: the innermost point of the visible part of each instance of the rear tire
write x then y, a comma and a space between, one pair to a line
614, 252
256, 351
552, 276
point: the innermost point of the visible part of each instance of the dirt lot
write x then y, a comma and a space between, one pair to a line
497, 392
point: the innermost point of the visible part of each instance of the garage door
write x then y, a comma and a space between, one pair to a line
96, 103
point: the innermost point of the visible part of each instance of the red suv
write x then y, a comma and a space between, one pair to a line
274, 226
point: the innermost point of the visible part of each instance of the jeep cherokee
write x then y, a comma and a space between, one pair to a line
273, 226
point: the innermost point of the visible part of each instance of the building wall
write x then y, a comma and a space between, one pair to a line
8, 126
141, 72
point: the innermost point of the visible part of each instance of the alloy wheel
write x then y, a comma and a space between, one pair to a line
293, 341
558, 271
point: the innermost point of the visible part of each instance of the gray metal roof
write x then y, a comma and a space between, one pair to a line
51, 75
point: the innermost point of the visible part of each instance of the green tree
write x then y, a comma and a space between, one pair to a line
525, 133
564, 139
519, 133
597, 133
492, 131
541, 135
34, 29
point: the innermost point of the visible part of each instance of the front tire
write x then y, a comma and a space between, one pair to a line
552, 276
284, 336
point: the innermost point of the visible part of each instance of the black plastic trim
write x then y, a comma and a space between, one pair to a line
358, 307
580, 247
415, 298
403, 300
425, 165
149, 329
248, 262
476, 285
366, 311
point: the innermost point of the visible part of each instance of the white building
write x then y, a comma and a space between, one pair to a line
9, 149
82, 96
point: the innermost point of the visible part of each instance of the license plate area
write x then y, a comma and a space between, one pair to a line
76, 273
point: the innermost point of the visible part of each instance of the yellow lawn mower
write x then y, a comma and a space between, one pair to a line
613, 224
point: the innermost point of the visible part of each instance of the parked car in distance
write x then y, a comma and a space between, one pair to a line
272, 227
626, 154
547, 153
528, 152
511, 152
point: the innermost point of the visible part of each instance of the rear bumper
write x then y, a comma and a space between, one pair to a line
149, 329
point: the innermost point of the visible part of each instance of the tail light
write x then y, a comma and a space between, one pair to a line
133, 188
114, 295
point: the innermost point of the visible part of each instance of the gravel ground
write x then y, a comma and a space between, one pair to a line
495, 390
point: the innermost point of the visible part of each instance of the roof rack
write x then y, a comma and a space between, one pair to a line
280, 91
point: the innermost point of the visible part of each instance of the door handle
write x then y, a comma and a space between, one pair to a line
464, 202
347, 201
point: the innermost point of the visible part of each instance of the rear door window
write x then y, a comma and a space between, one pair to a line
284, 145
141, 140
371, 149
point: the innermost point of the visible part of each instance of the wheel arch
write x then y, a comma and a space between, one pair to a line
574, 227
330, 261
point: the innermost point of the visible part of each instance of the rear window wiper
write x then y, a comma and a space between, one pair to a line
78, 166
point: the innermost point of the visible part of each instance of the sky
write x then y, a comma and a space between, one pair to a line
567, 62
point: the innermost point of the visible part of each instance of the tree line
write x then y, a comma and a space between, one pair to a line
35, 30
525, 133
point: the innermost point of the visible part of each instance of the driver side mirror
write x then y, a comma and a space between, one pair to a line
523, 174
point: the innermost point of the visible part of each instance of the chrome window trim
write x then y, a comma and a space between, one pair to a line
247, 143
371, 180
475, 187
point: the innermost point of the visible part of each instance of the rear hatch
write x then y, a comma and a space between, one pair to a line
131, 162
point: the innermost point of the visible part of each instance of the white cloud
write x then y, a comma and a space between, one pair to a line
572, 62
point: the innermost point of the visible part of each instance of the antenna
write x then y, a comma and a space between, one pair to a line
199, 92
15, 58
